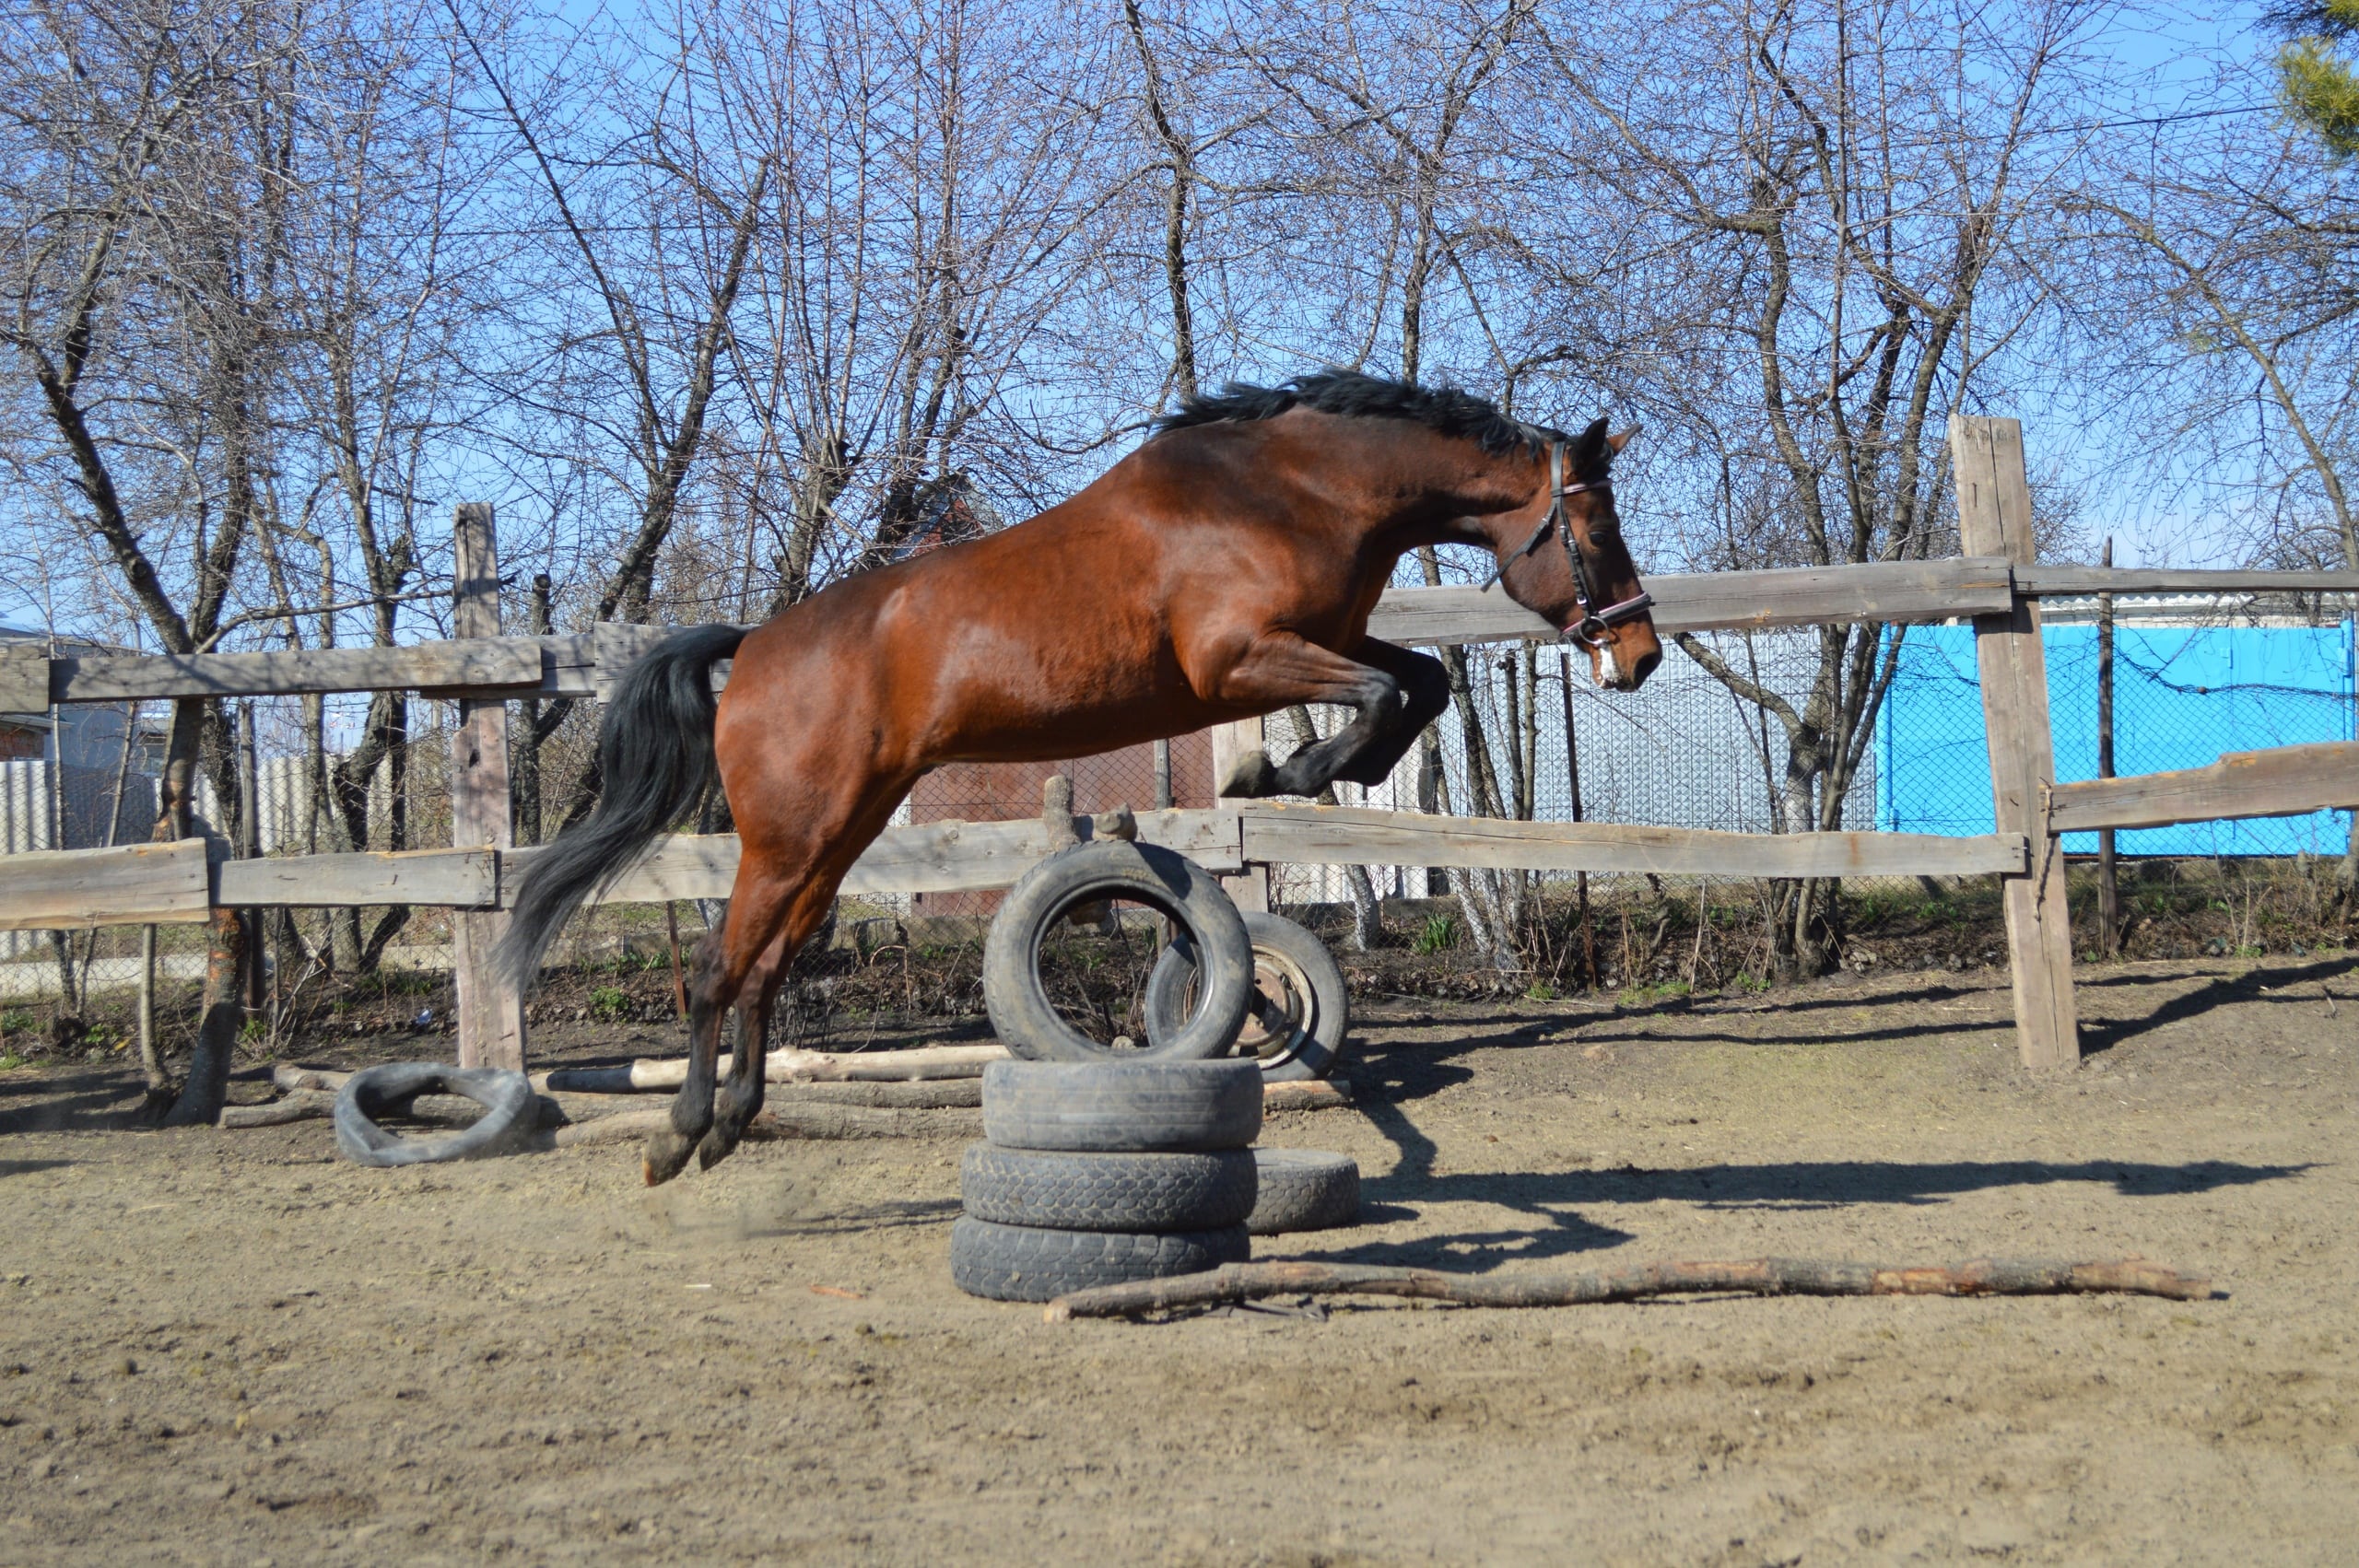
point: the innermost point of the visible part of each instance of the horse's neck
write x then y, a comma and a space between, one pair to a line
1441, 494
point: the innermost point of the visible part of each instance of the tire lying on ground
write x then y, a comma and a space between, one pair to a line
1298, 1015
1027, 1263
1107, 1192
506, 1098
1122, 1106
1167, 882
1303, 1189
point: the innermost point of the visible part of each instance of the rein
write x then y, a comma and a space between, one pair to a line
1595, 622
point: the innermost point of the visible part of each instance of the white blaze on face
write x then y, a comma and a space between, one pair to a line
1609, 673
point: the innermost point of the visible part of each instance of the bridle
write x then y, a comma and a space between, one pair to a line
1591, 628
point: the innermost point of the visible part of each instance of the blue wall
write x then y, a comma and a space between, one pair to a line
2182, 695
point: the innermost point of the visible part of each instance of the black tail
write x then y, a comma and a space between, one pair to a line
654, 764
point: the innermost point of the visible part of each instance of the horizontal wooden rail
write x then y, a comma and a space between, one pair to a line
929, 856
1891, 590
1369, 836
159, 883
137, 885
2081, 581
443, 879
491, 666
583, 664
2285, 781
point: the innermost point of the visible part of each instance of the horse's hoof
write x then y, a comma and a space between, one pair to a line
718, 1145
1250, 776
666, 1156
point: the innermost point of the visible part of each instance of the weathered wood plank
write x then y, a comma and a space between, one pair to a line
1248, 888
1994, 516
1369, 836
1887, 590
2285, 781
620, 645
454, 879
2076, 581
24, 677
931, 856
469, 661
491, 1005
137, 885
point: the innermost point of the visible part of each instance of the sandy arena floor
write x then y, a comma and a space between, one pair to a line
234, 1348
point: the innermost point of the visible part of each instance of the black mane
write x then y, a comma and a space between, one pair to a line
1347, 393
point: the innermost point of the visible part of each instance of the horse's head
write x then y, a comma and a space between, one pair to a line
1563, 557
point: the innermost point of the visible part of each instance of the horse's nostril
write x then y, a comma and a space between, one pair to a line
1645, 667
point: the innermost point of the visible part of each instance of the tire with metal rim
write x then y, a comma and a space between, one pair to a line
1028, 1263
1107, 1192
1303, 1189
1300, 1012
1122, 1106
506, 1098
1166, 881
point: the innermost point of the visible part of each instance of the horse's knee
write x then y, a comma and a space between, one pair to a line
1425, 690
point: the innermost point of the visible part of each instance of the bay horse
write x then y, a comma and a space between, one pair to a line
1223, 569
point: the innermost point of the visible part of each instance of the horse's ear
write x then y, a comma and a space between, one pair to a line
1624, 439
1589, 447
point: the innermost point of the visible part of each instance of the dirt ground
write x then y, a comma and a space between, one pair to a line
234, 1348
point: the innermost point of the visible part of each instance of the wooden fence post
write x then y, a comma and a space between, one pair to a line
1994, 519
1251, 887
491, 1010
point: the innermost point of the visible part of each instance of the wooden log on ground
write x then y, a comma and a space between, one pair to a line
2285, 781
1758, 1276
304, 1104
926, 1063
136, 884
790, 1121
1312, 1094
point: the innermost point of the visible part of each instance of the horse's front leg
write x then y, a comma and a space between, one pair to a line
1281, 669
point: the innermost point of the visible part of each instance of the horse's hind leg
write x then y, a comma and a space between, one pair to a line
741, 1097
758, 907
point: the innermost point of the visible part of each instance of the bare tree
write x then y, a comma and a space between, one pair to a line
1822, 193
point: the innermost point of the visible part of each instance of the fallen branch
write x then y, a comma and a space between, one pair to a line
301, 1105
1758, 1276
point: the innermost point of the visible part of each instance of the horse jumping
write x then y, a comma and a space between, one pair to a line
1223, 569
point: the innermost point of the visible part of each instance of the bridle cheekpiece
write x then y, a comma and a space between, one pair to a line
1595, 622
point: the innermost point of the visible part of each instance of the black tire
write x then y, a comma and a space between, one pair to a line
1113, 869
1122, 1106
506, 1098
1304, 1189
1107, 1192
1023, 1263
1300, 1012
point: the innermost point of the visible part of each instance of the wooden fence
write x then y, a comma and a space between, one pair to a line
1998, 585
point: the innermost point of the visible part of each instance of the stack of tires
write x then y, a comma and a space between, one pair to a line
1103, 1173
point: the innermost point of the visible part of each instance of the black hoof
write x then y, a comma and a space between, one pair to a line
1250, 776
718, 1145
